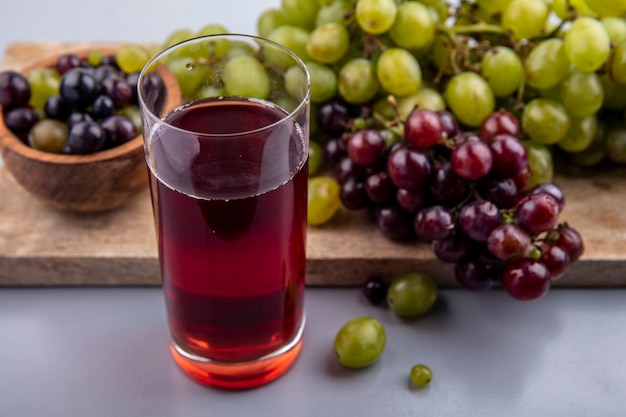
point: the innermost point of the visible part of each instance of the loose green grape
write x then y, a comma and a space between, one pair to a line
425, 98
48, 135
189, 74
245, 76
357, 81
411, 295
323, 82
493, 6
545, 121
525, 18
587, 44
547, 64
582, 94
398, 72
580, 134
328, 43
470, 98
375, 16
616, 144
269, 20
414, 27
615, 28
316, 157
300, 12
291, 37
360, 342
617, 64
540, 163
421, 375
606, 8
132, 57
323, 200
614, 93
503, 70
334, 12
44, 82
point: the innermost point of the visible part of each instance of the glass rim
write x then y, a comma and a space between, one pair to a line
260, 40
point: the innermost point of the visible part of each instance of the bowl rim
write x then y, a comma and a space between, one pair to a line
10, 142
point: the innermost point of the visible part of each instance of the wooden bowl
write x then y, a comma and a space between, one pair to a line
96, 182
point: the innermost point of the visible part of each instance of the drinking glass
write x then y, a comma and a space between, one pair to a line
225, 125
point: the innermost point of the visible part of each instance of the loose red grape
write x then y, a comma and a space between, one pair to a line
526, 279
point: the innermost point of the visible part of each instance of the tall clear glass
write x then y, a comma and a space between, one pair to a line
225, 126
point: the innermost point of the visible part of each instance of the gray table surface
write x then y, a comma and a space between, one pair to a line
103, 351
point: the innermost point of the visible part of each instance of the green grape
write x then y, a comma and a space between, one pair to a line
493, 6
391, 136
470, 98
411, 295
398, 72
328, 43
441, 53
525, 18
316, 157
582, 8
323, 200
440, 7
48, 135
421, 375
587, 44
334, 12
215, 48
540, 163
545, 121
180, 35
360, 342
503, 70
606, 8
189, 74
44, 82
94, 57
291, 37
425, 98
357, 81
581, 133
269, 20
617, 64
132, 57
245, 76
300, 12
132, 112
560, 8
582, 94
383, 108
375, 16
553, 93
614, 94
209, 91
323, 82
615, 28
547, 64
595, 152
323, 3
414, 27
616, 144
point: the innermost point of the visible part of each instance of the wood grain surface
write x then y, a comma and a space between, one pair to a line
40, 245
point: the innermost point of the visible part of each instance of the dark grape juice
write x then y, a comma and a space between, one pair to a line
230, 214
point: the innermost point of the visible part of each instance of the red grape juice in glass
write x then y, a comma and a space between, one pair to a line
230, 217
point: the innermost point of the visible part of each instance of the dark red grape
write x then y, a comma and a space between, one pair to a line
56, 107
118, 90
477, 271
334, 151
446, 186
537, 213
434, 222
471, 160
118, 129
423, 129
501, 192
478, 219
509, 241
366, 147
509, 156
499, 123
102, 107
380, 188
77, 117
550, 189
85, 137
14, 90
408, 168
375, 290
393, 222
20, 120
67, 62
347, 168
451, 248
556, 259
526, 279
411, 201
333, 117
570, 240
448, 123
523, 178
79, 87
133, 79
353, 195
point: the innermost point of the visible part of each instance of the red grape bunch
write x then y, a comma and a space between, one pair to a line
468, 194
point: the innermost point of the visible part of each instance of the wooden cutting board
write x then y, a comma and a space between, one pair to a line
40, 245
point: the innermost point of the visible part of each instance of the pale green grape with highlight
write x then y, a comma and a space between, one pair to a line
328, 43
132, 57
44, 83
334, 12
358, 83
580, 134
424, 98
269, 20
587, 44
360, 342
398, 72
300, 12
412, 295
502, 68
540, 162
547, 64
414, 27
421, 375
375, 16
323, 200
323, 81
245, 76
291, 37
615, 28
470, 98
525, 18
582, 94
545, 121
